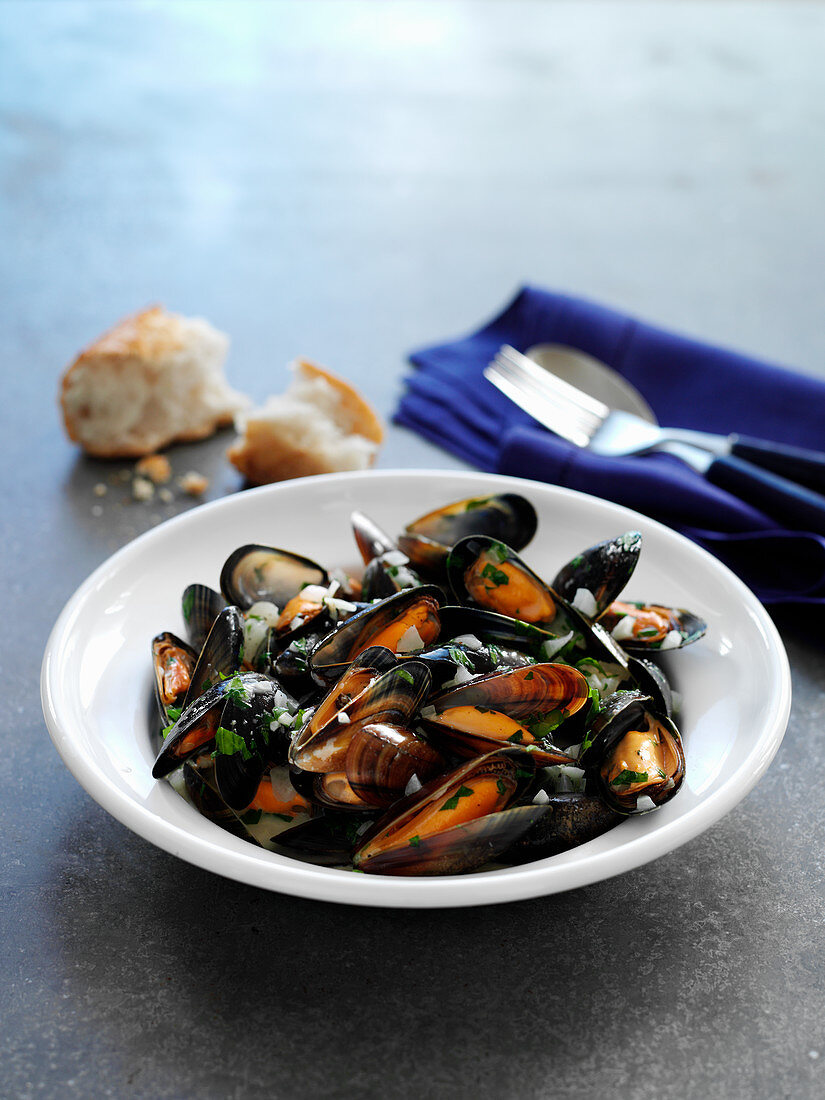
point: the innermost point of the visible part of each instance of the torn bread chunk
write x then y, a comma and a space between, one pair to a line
156, 378
319, 426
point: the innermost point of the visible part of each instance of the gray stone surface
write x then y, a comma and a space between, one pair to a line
350, 181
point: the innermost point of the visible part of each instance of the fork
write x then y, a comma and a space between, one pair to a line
588, 422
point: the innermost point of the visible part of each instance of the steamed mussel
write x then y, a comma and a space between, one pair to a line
452, 710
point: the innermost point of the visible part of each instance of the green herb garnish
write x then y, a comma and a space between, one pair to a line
451, 803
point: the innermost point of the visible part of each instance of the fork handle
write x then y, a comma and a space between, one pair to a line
800, 465
792, 504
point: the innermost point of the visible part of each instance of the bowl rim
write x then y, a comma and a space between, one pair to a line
226, 855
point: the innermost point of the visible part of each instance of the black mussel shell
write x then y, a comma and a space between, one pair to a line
570, 820
466, 625
647, 628
651, 680
485, 572
327, 841
194, 732
173, 662
386, 624
221, 656
457, 822
634, 757
208, 802
508, 517
245, 743
255, 572
372, 541
594, 578
201, 605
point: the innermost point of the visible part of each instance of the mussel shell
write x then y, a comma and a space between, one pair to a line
194, 732
326, 841
382, 758
238, 773
385, 576
531, 601
200, 605
623, 712
451, 663
167, 650
255, 572
403, 842
372, 541
506, 517
363, 694
221, 655
684, 627
538, 697
570, 820
651, 680
458, 620
602, 571
366, 628
209, 803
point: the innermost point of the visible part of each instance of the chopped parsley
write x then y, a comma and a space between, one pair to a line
626, 777
415, 841
251, 817
228, 743
477, 502
497, 577
501, 786
402, 672
451, 803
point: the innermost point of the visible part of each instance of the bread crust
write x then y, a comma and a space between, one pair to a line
262, 455
129, 359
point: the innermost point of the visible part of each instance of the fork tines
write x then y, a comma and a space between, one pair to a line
553, 402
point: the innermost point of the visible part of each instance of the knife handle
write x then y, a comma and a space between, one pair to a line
792, 504
796, 463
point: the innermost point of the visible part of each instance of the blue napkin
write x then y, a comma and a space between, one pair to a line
688, 384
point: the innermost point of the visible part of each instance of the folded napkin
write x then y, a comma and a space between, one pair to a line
688, 384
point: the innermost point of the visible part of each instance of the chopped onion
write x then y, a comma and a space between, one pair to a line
469, 640
585, 601
553, 645
410, 641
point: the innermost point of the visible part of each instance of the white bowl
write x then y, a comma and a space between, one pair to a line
96, 677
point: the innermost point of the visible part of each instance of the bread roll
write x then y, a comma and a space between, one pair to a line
320, 425
156, 378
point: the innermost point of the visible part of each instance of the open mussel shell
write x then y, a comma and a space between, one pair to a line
469, 625
523, 706
372, 541
200, 605
485, 572
508, 517
383, 758
245, 743
457, 822
403, 623
633, 755
646, 627
208, 802
593, 579
651, 680
221, 655
173, 662
194, 732
570, 820
326, 841
254, 572
369, 691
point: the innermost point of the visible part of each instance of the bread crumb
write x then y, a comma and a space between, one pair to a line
142, 488
193, 483
100, 490
156, 468
166, 495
